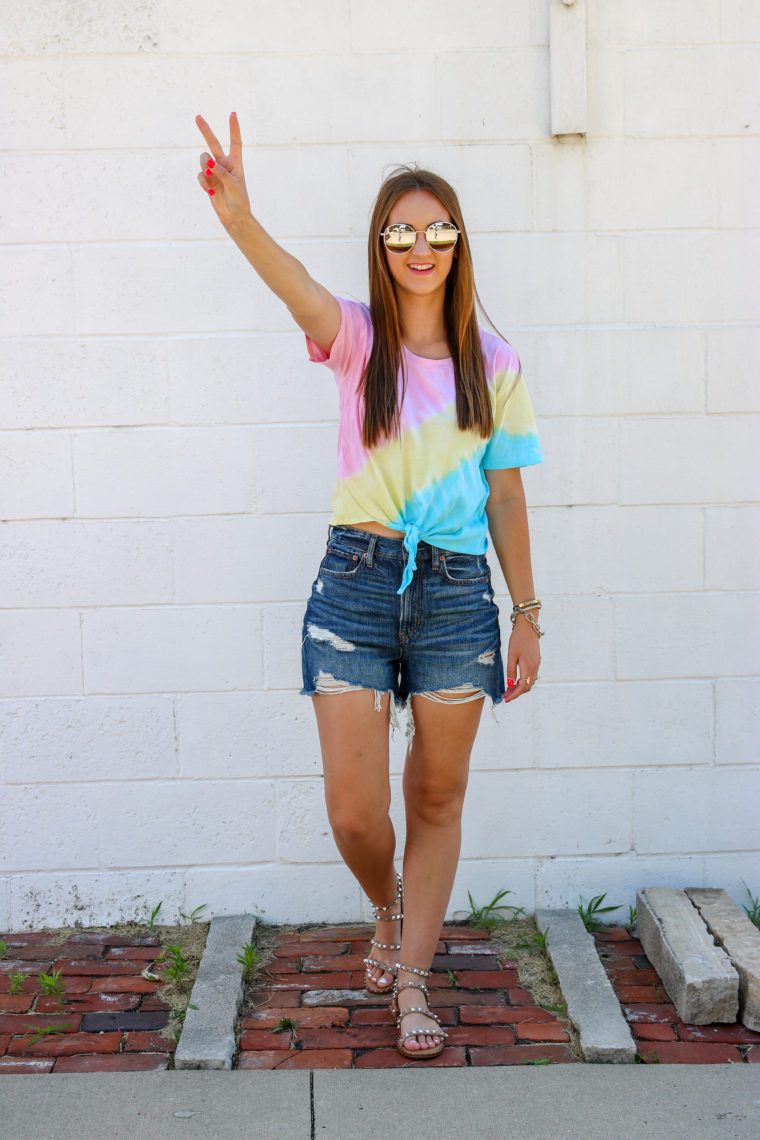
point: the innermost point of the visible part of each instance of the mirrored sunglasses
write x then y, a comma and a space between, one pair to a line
400, 237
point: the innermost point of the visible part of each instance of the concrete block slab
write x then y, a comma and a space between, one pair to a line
591, 1002
740, 938
698, 975
208, 1034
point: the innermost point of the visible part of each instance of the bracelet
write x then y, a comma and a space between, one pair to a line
533, 604
529, 617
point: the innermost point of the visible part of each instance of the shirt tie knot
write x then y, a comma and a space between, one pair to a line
411, 538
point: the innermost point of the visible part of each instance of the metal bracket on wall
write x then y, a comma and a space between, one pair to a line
567, 66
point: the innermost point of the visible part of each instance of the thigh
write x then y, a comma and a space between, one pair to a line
438, 761
353, 737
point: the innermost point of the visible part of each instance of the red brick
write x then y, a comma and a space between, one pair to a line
633, 994
313, 1018
148, 1042
519, 996
108, 938
88, 1003
541, 1031
288, 966
520, 1054
264, 1039
259, 1059
735, 1033
300, 950
344, 962
113, 985
486, 979
447, 1015
314, 982
318, 1059
465, 933
261, 999
337, 934
20, 1022
480, 1035
753, 1055
358, 1037
662, 1012
654, 1032
622, 949
74, 967
25, 937
504, 1014
15, 1003
60, 1044
622, 972
451, 1057
18, 1065
117, 1063
136, 953
4, 1039
612, 934
689, 1053
151, 1002
465, 998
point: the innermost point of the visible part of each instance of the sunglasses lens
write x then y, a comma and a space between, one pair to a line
442, 236
399, 238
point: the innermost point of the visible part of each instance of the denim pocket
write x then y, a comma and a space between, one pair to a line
341, 561
463, 568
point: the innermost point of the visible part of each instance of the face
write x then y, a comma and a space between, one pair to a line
421, 271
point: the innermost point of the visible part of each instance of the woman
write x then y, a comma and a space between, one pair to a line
435, 423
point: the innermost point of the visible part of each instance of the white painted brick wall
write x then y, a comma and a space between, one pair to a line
167, 451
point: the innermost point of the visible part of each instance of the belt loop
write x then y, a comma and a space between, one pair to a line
371, 548
434, 556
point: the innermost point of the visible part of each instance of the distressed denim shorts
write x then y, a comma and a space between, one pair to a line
442, 633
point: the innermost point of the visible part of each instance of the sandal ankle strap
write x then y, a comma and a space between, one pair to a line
412, 969
388, 906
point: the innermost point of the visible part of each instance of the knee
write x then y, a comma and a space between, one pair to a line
353, 822
435, 805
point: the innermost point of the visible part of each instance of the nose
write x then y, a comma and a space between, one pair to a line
421, 243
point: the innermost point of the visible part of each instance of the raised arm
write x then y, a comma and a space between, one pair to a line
312, 306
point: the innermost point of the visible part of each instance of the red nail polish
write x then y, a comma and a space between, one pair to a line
510, 682
210, 164
208, 173
211, 192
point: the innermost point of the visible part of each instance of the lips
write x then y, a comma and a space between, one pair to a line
422, 272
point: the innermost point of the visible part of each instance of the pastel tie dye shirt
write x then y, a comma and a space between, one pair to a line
428, 480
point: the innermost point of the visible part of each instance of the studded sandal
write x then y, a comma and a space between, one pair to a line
424, 1053
369, 983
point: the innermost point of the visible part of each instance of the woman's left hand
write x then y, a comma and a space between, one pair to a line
523, 660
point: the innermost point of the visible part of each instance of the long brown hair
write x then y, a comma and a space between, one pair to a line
378, 383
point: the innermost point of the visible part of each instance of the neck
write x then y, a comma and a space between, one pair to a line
421, 318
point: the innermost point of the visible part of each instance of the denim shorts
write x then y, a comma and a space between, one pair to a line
441, 633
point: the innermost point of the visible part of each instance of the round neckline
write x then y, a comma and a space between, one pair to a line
432, 359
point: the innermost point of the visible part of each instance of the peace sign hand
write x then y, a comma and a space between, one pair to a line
222, 174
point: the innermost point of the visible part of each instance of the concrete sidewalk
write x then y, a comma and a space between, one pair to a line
587, 1102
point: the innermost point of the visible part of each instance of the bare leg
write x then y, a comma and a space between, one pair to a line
353, 737
435, 781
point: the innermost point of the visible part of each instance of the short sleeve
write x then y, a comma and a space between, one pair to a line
350, 350
515, 441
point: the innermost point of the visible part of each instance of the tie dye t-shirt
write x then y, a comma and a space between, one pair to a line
428, 480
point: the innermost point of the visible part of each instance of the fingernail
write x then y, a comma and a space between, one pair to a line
211, 192
211, 164
510, 682
208, 173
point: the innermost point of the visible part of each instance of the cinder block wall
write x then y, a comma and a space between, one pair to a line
168, 453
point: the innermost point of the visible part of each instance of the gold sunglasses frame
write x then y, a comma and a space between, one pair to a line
432, 248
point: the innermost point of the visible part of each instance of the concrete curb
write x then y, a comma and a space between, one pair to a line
207, 1040
592, 1006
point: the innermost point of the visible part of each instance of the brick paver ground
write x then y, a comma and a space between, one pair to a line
316, 977
110, 1014
661, 1036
